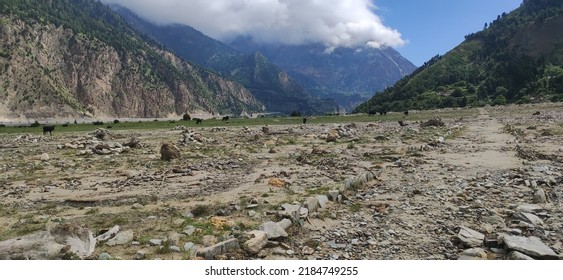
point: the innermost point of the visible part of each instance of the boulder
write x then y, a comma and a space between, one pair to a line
531, 246
470, 238
257, 243
169, 152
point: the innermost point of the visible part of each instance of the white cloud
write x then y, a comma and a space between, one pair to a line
334, 23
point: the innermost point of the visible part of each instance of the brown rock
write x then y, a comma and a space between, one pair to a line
169, 152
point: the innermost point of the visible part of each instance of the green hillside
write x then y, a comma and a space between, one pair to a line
518, 58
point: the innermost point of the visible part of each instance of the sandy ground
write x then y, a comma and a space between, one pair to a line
429, 182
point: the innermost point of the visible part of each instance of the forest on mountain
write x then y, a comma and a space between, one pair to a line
517, 58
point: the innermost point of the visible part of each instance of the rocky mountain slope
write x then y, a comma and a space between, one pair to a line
347, 75
65, 58
272, 86
518, 58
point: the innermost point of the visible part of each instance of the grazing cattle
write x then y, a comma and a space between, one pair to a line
383, 113
197, 120
372, 112
406, 113
48, 128
225, 118
304, 120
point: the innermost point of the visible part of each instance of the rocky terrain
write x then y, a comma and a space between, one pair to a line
486, 184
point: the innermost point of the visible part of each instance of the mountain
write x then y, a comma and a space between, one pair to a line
63, 58
273, 87
518, 58
347, 75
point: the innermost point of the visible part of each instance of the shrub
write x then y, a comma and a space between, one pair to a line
186, 117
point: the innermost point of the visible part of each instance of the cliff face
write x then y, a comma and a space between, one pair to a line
52, 71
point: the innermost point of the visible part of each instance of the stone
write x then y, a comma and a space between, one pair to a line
174, 249
273, 230
307, 251
140, 255
174, 238
285, 223
169, 151
44, 157
470, 238
121, 238
312, 204
531, 246
529, 208
211, 252
104, 256
52, 244
155, 242
189, 230
251, 213
540, 196
257, 243
108, 234
323, 200
473, 254
515, 255
188, 246
208, 240
137, 206
291, 211
333, 194
528, 218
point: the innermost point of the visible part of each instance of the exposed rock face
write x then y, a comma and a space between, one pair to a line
50, 71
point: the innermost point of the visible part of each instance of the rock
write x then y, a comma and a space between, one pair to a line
187, 214
169, 151
189, 230
140, 255
333, 194
257, 243
291, 211
53, 244
44, 157
529, 208
470, 238
137, 206
515, 255
312, 204
104, 257
188, 246
323, 200
273, 230
531, 246
265, 130
285, 223
174, 238
307, 250
121, 238
208, 240
540, 196
473, 254
251, 213
528, 218
108, 234
155, 242
211, 252
174, 249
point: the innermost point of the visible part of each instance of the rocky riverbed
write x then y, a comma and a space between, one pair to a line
487, 185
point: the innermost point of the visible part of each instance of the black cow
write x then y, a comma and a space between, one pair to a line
197, 120
225, 118
406, 113
304, 120
48, 128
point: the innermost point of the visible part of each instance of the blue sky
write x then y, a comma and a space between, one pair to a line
434, 27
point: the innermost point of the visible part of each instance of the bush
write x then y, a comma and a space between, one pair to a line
186, 117
500, 100
116, 121
98, 123
295, 114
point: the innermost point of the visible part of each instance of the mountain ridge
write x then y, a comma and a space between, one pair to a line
78, 58
517, 58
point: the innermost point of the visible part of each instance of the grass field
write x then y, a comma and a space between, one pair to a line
152, 124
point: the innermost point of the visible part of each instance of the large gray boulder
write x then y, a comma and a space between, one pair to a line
63, 241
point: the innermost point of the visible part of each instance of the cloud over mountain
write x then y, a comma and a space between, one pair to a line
334, 23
